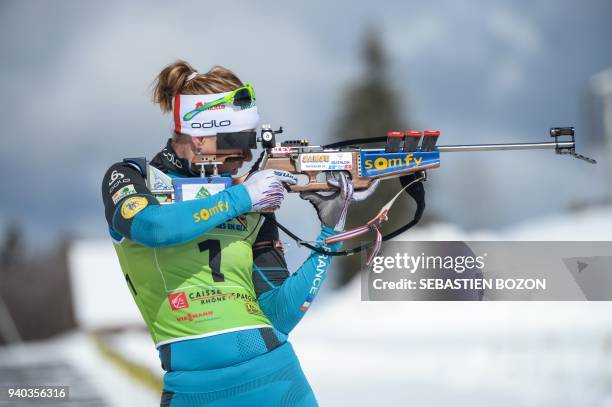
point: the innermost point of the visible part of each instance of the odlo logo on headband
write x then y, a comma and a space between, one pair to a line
206, 125
211, 124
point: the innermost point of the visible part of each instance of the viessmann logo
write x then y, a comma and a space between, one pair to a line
178, 300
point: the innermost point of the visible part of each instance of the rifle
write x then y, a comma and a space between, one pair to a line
407, 156
404, 153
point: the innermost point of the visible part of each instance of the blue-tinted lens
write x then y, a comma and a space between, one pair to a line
242, 98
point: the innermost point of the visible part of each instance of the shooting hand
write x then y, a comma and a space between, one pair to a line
332, 209
266, 189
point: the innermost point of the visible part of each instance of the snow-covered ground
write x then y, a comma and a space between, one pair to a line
73, 360
403, 353
457, 353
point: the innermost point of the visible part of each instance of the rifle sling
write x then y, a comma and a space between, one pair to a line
416, 191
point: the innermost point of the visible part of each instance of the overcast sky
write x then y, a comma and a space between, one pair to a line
76, 97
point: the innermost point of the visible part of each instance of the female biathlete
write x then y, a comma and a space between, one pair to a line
208, 275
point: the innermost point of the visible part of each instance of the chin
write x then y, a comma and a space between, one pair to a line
232, 170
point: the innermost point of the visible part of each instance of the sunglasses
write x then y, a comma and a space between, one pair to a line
242, 97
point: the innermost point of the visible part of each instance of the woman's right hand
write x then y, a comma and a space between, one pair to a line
266, 189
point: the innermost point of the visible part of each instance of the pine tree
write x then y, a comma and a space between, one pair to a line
372, 108
12, 252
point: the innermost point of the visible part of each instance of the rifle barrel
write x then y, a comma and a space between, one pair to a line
510, 146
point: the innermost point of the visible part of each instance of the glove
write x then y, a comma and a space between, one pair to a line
266, 189
332, 209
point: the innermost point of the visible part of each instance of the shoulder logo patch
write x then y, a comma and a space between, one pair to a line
132, 206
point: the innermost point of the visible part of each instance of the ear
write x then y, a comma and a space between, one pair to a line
207, 145
196, 142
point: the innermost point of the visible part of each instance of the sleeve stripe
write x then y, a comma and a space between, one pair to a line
263, 276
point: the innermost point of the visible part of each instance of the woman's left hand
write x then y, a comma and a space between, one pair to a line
332, 209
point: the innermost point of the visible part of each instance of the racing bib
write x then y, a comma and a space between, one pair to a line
200, 288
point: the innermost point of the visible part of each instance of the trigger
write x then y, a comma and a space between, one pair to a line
333, 178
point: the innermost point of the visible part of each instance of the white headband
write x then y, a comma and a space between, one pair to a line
222, 118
